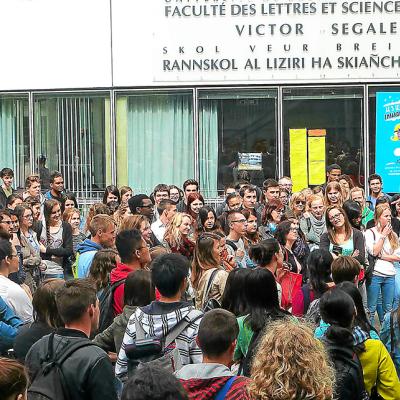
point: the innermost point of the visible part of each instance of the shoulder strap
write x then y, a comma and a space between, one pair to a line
392, 338
209, 284
140, 332
306, 298
308, 220
225, 389
117, 283
231, 244
193, 316
67, 352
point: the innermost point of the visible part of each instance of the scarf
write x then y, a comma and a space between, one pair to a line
318, 226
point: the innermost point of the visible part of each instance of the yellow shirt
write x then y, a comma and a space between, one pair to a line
379, 369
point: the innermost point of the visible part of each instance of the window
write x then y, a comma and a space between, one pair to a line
339, 111
237, 137
14, 136
154, 139
72, 135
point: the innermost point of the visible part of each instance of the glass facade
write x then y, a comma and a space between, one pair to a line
217, 135
339, 111
72, 135
155, 140
14, 136
233, 124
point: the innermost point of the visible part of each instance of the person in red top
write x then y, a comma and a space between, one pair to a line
134, 254
216, 338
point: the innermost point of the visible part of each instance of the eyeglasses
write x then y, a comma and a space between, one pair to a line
28, 216
298, 202
240, 221
335, 217
294, 229
6, 222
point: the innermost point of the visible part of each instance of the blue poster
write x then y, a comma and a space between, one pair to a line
387, 154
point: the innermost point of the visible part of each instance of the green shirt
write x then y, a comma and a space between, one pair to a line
367, 215
243, 339
8, 192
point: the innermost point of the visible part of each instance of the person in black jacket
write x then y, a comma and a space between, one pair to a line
88, 371
56, 237
337, 309
6, 190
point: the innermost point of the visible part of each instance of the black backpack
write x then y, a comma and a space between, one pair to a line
49, 383
106, 305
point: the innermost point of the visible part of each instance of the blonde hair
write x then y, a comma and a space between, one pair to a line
334, 185
311, 199
132, 222
290, 364
172, 234
393, 239
119, 215
295, 197
68, 214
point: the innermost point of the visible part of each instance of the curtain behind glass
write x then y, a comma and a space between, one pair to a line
208, 147
7, 134
160, 141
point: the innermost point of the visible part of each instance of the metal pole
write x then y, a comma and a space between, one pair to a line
113, 139
279, 138
365, 132
31, 132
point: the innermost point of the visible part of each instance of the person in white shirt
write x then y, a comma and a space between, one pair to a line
15, 297
166, 210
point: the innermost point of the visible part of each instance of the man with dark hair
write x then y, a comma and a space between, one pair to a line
237, 224
160, 192
333, 172
102, 229
56, 187
285, 183
228, 189
189, 186
134, 254
14, 296
166, 210
141, 204
88, 371
270, 190
375, 187
233, 203
6, 189
217, 335
5, 221
169, 273
345, 269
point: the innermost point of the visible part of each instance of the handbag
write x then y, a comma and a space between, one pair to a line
210, 304
290, 282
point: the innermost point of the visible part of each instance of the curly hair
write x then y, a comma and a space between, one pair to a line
291, 364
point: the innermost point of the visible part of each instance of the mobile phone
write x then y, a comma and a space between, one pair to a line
337, 250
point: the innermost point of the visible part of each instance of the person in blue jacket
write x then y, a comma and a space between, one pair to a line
9, 326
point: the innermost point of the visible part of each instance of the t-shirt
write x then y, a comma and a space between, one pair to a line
347, 247
16, 298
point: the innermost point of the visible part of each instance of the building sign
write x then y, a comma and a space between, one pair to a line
387, 156
161, 42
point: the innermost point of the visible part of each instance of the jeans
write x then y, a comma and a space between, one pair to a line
385, 285
396, 301
52, 276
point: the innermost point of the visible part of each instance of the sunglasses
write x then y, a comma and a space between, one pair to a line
298, 202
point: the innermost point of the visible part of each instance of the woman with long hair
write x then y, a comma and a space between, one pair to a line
14, 380
175, 193
125, 193
346, 184
297, 204
45, 317
208, 221
262, 297
138, 292
353, 211
290, 364
73, 217
56, 237
313, 225
347, 341
208, 278
69, 201
319, 272
111, 193
120, 214
333, 194
141, 223
177, 235
382, 245
252, 235
195, 201
272, 215
286, 234
95, 209
341, 238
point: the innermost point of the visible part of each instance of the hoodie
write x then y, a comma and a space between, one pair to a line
204, 381
85, 254
118, 274
157, 319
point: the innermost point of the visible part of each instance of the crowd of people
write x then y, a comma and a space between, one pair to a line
271, 295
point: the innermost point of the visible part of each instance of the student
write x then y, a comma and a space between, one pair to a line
135, 255
217, 340
13, 380
291, 364
88, 371
111, 194
73, 217
166, 210
6, 189
357, 194
56, 188
375, 187
189, 186
103, 231
9, 327
169, 275
13, 295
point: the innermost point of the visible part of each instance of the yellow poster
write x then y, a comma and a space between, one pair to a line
298, 158
316, 156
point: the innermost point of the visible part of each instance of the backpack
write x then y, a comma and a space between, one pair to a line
155, 351
106, 301
210, 304
49, 383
